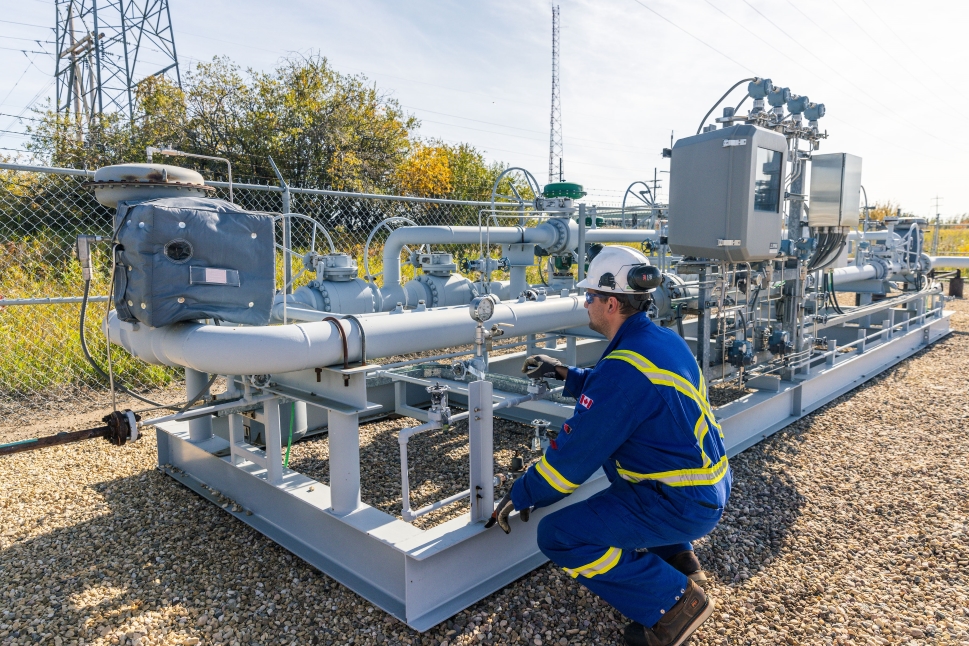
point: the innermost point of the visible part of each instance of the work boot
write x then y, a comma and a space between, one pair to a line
687, 563
677, 625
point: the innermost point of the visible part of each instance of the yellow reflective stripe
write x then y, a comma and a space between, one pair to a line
666, 378
553, 477
700, 432
601, 565
682, 477
681, 383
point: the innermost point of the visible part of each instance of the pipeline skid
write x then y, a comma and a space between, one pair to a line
785, 300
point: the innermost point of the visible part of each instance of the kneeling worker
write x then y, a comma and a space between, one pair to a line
643, 416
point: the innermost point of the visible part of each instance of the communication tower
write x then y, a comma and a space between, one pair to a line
555, 147
105, 48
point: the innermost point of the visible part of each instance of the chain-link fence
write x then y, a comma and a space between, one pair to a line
43, 372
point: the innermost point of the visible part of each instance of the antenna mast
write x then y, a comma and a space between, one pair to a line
555, 147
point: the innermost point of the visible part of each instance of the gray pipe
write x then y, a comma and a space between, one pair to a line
544, 235
955, 262
286, 348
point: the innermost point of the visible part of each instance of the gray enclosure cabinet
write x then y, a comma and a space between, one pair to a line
726, 194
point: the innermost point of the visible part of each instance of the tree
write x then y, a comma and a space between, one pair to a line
426, 171
323, 129
882, 210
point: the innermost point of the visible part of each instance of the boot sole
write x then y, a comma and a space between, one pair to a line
691, 627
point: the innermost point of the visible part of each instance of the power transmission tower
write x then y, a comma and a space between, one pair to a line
105, 48
555, 147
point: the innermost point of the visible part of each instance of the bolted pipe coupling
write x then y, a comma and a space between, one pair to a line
122, 427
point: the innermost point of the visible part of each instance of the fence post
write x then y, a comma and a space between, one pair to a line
287, 231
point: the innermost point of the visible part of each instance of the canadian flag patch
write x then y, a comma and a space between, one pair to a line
585, 401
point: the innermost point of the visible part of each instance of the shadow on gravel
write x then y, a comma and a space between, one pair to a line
157, 548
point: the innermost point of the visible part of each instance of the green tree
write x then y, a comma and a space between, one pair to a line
324, 129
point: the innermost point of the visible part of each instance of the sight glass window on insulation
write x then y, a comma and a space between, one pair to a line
767, 184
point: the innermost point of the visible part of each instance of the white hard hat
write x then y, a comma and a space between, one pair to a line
621, 270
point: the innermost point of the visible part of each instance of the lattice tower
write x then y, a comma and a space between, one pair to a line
105, 48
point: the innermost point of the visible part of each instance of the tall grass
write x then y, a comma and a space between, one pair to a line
40, 345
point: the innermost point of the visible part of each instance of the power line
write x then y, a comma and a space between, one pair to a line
949, 85
807, 69
18, 81
696, 38
506, 134
25, 24
25, 51
33, 40
939, 95
842, 76
15, 116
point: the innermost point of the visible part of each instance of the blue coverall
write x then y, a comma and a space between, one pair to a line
643, 416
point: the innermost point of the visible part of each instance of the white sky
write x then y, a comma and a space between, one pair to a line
891, 73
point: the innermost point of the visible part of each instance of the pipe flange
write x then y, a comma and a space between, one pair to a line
882, 268
435, 298
122, 426
561, 242
327, 307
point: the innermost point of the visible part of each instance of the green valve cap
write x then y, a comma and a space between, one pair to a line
564, 189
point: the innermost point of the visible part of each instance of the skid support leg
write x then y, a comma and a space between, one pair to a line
481, 431
344, 462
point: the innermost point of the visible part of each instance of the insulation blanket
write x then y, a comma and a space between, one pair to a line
186, 258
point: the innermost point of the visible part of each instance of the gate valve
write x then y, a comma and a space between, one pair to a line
541, 430
439, 411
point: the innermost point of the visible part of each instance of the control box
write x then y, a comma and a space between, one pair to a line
835, 190
727, 194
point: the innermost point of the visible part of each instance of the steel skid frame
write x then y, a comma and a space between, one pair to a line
422, 577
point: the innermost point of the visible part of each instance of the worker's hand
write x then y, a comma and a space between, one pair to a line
541, 366
501, 513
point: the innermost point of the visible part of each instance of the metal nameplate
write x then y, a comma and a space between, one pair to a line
728, 243
734, 142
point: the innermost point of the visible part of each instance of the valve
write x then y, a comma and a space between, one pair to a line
541, 427
780, 342
537, 386
741, 353
484, 266
439, 411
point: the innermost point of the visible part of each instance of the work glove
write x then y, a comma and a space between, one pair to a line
541, 366
501, 513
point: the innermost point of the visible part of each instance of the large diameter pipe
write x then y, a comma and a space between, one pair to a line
236, 350
879, 270
620, 235
952, 262
854, 273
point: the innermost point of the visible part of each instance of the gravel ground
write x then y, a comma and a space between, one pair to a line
438, 460
849, 527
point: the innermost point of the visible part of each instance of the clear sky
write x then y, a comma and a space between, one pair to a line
892, 74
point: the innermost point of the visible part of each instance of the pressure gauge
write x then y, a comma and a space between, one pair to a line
482, 308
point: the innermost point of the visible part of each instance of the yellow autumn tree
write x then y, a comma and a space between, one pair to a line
426, 171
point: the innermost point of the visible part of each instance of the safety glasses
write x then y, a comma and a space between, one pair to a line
591, 296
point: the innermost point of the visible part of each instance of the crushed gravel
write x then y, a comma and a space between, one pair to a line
848, 527
438, 464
